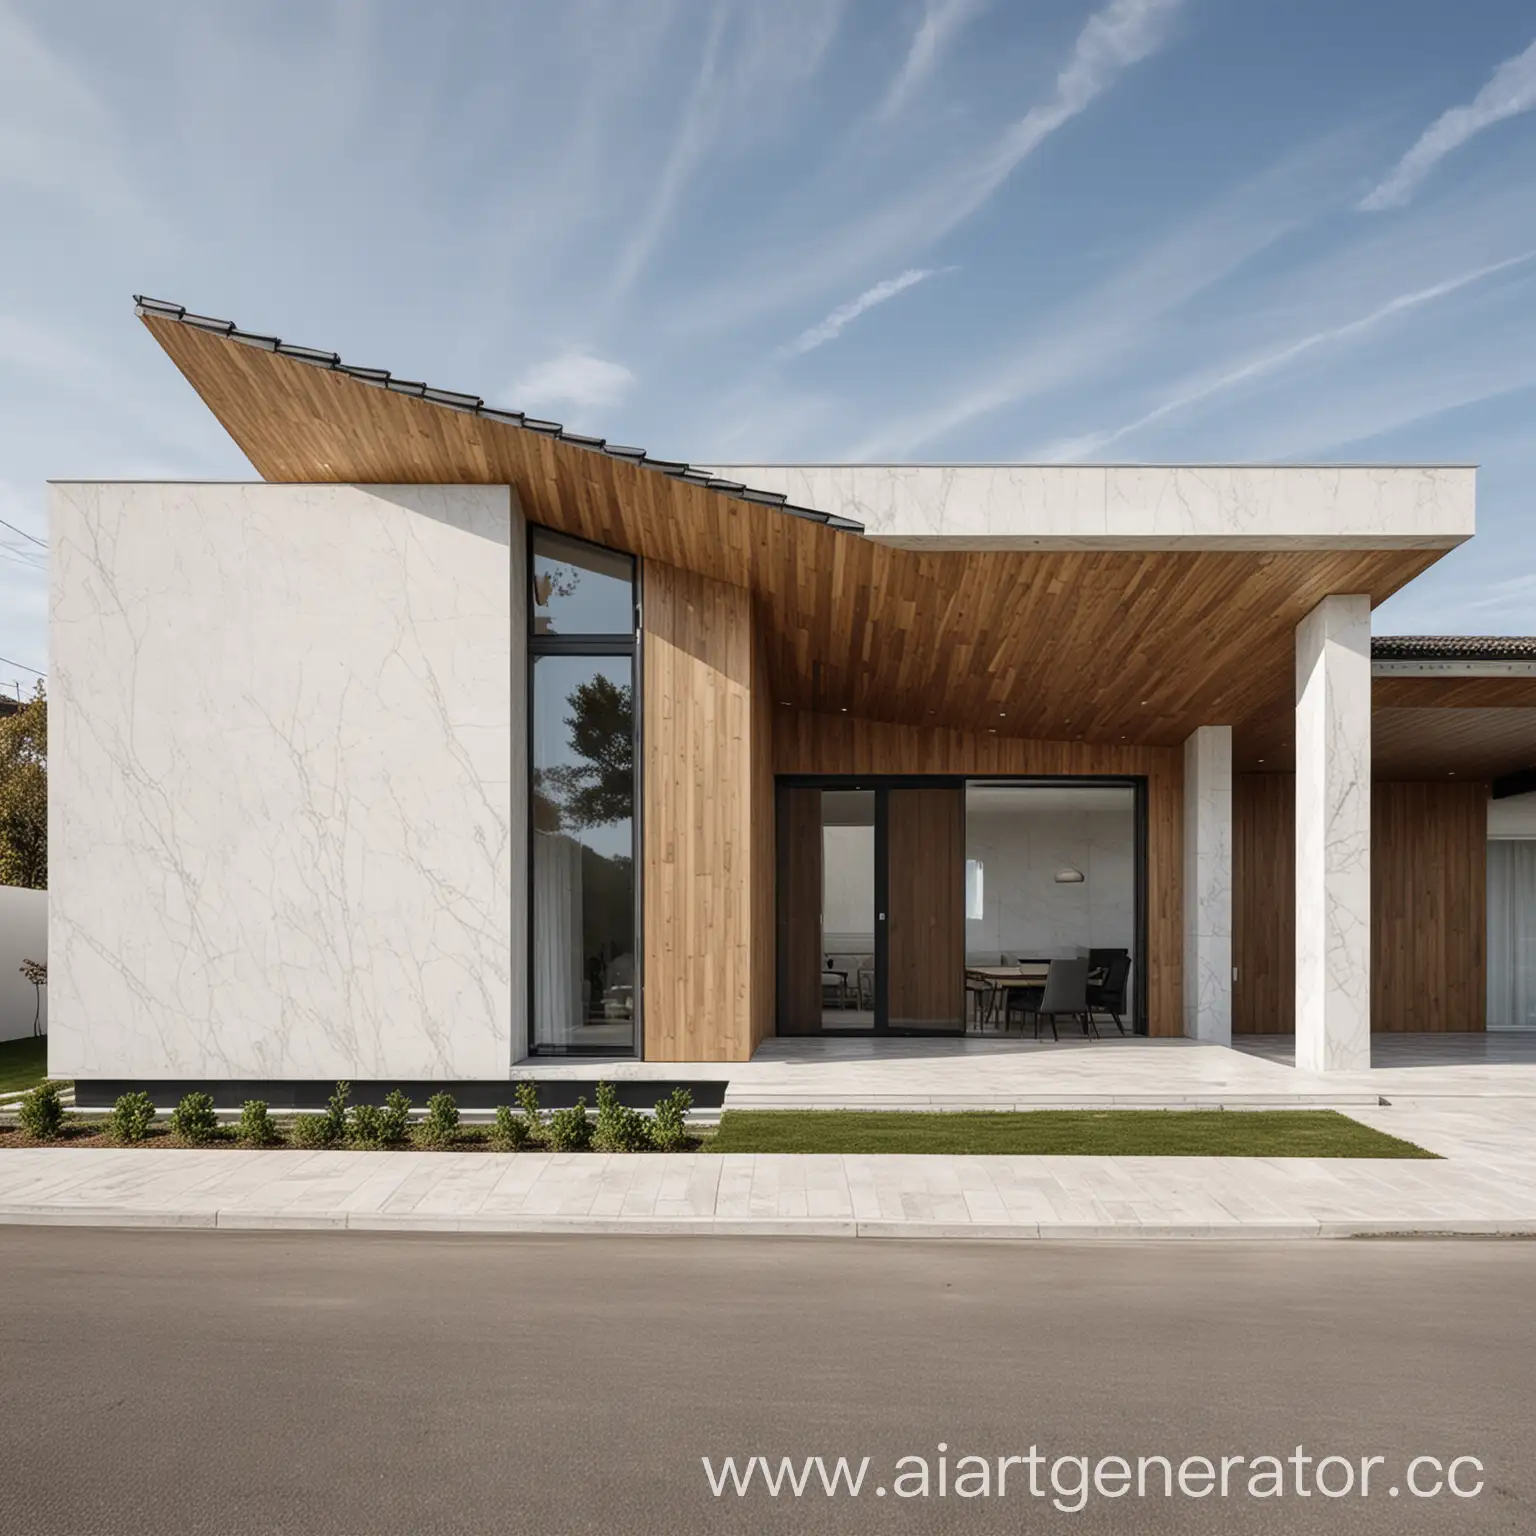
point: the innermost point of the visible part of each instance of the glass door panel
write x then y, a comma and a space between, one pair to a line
847, 951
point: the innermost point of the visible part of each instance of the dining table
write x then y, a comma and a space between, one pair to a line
1002, 979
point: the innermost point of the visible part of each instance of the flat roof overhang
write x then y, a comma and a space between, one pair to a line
1122, 638
1475, 722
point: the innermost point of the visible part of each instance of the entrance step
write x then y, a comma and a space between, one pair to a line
749, 1098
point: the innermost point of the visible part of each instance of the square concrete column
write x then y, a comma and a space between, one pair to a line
1333, 836
1208, 884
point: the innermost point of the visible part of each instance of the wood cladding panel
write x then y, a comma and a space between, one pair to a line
1429, 896
1263, 903
704, 748
1428, 905
1421, 728
1436, 743
1447, 691
1096, 644
764, 851
841, 744
925, 915
799, 911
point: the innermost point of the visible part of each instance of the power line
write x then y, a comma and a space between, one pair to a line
24, 667
41, 543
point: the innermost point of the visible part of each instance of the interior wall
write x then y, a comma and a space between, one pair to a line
1024, 910
707, 851
842, 744
1428, 905
848, 888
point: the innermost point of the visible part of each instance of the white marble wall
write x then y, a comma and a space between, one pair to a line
1208, 884
286, 811
1212, 505
1333, 836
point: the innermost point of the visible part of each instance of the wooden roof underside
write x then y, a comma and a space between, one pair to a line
1100, 645
1421, 728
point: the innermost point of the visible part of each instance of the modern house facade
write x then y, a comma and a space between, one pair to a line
458, 738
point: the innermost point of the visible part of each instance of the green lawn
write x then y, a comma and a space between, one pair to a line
1062, 1132
23, 1063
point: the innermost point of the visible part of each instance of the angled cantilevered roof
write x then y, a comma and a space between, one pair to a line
1131, 638
473, 405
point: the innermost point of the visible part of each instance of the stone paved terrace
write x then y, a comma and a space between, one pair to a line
1004, 1073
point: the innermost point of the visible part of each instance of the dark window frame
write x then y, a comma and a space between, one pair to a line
597, 646
880, 782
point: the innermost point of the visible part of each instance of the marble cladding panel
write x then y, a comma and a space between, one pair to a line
1208, 884
1333, 836
1220, 505
286, 825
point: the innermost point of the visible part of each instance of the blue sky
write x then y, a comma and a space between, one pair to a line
795, 229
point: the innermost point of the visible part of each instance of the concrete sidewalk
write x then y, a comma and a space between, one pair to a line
1487, 1184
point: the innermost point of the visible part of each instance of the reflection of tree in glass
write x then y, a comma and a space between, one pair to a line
601, 787
552, 582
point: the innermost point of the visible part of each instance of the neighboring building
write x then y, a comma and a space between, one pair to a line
461, 737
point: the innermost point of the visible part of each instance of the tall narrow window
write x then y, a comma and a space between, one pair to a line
582, 801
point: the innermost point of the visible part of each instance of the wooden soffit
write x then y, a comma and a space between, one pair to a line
1107, 645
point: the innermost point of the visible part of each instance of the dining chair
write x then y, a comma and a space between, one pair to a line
866, 982
1109, 995
1065, 993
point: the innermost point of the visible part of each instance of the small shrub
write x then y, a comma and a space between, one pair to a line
255, 1127
510, 1132
528, 1104
619, 1128
132, 1116
569, 1130
442, 1122
365, 1126
396, 1119
41, 1112
335, 1116
669, 1129
380, 1127
311, 1131
193, 1120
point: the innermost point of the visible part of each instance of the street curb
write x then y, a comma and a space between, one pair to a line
707, 1226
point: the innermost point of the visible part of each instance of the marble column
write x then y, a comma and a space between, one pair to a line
1333, 836
1208, 884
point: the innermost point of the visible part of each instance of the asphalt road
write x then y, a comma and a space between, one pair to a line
338, 1383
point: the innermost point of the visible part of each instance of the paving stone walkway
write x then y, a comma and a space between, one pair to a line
1486, 1184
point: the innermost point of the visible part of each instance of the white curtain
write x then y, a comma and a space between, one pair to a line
1511, 933
557, 999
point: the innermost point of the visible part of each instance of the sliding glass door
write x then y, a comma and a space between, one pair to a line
871, 934
938, 906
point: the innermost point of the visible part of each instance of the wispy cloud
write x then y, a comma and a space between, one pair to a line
1195, 393
1120, 35
752, 58
1121, 316
845, 314
1511, 90
574, 377
942, 21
